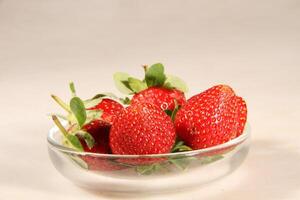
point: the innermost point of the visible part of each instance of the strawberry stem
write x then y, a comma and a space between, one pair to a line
59, 125
145, 68
61, 103
176, 108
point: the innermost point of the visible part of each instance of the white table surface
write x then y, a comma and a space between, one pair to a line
252, 45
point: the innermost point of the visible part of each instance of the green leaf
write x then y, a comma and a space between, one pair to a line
71, 119
93, 115
74, 141
125, 101
72, 88
175, 82
181, 163
71, 140
59, 125
148, 169
177, 145
169, 112
81, 163
168, 86
120, 80
61, 103
184, 148
106, 94
77, 107
172, 113
136, 85
155, 75
126, 83
88, 138
97, 96
90, 103
209, 159
180, 146
177, 107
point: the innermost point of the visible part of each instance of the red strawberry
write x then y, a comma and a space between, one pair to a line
142, 129
101, 163
212, 117
110, 109
162, 97
100, 132
98, 129
239, 104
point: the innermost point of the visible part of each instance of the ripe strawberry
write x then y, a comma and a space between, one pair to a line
241, 115
110, 109
142, 129
162, 97
100, 132
100, 163
212, 117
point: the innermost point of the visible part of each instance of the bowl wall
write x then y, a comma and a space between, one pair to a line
113, 173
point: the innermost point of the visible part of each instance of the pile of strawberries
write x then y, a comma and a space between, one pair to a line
155, 118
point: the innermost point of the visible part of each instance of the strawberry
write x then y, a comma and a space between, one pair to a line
110, 109
162, 97
99, 130
142, 129
212, 117
101, 164
89, 127
241, 115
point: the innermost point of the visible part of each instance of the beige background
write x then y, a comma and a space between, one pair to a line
252, 45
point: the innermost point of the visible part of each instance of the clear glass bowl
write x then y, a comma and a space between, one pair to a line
147, 173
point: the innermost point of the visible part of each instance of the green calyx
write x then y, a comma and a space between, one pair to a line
148, 169
179, 146
61, 103
136, 85
88, 138
77, 116
172, 113
125, 101
78, 109
71, 139
181, 163
72, 88
154, 77
175, 82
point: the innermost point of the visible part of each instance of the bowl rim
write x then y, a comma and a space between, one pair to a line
53, 144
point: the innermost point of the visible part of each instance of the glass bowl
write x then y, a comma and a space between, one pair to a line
147, 173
